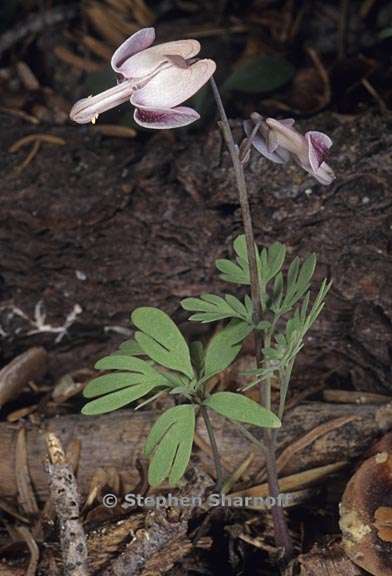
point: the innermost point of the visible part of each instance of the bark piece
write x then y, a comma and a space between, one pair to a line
163, 541
116, 440
65, 494
106, 543
31, 365
327, 560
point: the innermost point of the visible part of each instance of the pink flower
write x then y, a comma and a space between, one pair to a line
156, 79
279, 141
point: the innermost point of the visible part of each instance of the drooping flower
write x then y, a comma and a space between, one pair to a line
155, 79
279, 141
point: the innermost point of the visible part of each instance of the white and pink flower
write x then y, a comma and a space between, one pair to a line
155, 79
279, 141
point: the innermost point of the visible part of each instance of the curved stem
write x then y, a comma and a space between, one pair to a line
244, 202
282, 537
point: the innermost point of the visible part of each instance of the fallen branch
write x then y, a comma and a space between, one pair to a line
116, 440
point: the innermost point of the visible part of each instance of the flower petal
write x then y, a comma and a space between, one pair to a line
173, 85
148, 60
325, 175
280, 156
289, 138
289, 122
319, 144
87, 109
139, 41
165, 118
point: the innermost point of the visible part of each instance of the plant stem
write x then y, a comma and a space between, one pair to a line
282, 537
244, 151
214, 447
244, 202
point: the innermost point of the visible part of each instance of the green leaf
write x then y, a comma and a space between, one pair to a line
161, 340
124, 362
210, 308
137, 372
242, 409
237, 273
109, 383
298, 281
130, 348
116, 400
264, 325
231, 272
240, 247
197, 356
237, 306
170, 444
277, 293
307, 271
224, 347
260, 74
276, 255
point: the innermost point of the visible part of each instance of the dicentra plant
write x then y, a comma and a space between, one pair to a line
276, 307
159, 361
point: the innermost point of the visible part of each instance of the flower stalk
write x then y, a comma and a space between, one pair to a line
282, 537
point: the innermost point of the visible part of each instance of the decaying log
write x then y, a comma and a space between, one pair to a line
109, 227
117, 440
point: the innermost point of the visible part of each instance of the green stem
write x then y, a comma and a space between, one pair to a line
214, 447
282, 537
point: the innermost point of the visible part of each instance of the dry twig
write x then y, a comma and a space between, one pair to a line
64, 492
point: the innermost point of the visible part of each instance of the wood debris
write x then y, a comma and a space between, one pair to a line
116, 440
26, 496
163, 540
31, 138
65, 495
327, 559
293, 482
28, 78
31, 365
26, 535
114, 130
78, 62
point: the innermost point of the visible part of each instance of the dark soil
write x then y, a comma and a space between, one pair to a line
109, 225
